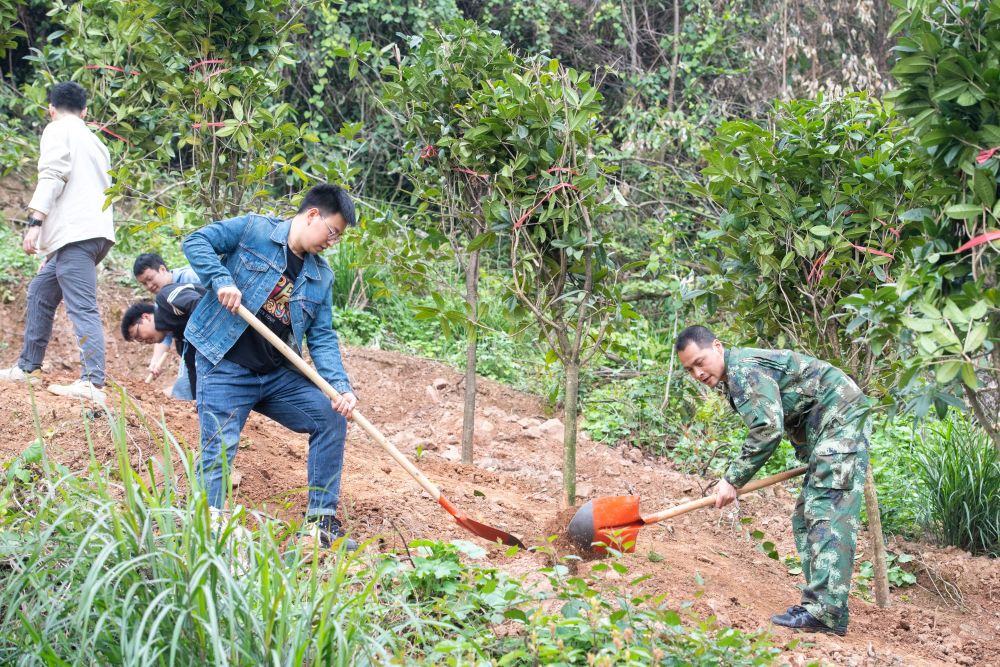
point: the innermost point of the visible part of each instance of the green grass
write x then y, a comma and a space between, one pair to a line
959, 468
110, 567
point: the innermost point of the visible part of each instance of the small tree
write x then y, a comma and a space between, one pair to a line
438, 77
944, 310
817, 205
535, 134
187, 88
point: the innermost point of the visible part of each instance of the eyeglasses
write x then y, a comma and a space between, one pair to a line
332, 235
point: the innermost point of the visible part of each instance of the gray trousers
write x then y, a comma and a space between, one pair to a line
70, 275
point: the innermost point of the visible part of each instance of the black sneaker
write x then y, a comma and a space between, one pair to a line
327, 529
800, 620
841, 628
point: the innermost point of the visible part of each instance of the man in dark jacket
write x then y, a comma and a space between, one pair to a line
150, 323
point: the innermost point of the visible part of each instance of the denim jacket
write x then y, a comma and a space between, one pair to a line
249, 252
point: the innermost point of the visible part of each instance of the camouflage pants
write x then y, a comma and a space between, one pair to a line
827, 518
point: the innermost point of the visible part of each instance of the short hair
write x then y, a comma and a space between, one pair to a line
330, 199
133, 315
147, 260
68, 96
697, 334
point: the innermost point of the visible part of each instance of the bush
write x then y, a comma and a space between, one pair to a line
901, 499
17, 266
960, 470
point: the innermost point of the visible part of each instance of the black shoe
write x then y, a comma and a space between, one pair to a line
800, 620
328, 530
841, 628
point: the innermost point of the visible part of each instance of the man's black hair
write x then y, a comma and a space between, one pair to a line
330, 199
68, 96
133, 315
696, 334
147, 260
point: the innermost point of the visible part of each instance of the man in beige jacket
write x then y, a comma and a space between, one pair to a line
69, 225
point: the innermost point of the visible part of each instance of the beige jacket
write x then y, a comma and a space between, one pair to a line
73, 167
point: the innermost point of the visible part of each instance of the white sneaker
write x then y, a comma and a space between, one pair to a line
16, 374
80, 389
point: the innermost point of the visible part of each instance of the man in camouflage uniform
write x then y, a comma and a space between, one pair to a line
823, 412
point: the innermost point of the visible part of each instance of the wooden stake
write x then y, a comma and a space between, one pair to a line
877, 543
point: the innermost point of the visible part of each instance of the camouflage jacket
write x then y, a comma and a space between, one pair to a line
777, 391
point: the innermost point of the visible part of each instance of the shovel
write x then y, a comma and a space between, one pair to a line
614, 521
476, 528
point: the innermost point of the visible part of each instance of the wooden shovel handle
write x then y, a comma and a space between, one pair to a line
710, 500
325, 387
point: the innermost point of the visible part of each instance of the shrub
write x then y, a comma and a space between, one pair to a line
901, 494
960, 469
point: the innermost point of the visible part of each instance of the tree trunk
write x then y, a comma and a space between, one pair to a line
877, 543
675, 59
572, 369
472, 340
982, 416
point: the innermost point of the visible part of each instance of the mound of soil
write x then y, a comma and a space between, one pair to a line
951, 617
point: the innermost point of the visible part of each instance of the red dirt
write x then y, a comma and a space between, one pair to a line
516, 486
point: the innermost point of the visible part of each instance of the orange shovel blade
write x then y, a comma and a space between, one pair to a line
481, 529
612, 511
598, 520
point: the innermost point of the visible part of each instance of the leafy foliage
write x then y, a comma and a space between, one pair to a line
817, 203
215, 75
944, 305
18, 266
901, 496
899, 577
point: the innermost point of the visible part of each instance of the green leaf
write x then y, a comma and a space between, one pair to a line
985, 187
481, 241
969, 376
914, 214
516, 615
918, 324
963, 211
975, 338
947, 371
953, 312
821, 231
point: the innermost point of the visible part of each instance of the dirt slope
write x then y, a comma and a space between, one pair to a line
516, 485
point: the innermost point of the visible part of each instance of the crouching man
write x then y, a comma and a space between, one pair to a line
274, 268
153, 324
823, 412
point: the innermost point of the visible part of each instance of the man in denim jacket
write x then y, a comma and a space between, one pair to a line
274, 268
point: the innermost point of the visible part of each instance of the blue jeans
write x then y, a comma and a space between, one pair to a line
182, 386
227, 392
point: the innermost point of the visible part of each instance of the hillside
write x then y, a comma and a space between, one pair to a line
516, 485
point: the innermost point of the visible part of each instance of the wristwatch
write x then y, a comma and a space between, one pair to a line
34, 222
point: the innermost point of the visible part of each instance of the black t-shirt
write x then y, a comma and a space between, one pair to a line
251, 350
173, 308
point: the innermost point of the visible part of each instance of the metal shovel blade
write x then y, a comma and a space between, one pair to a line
480, 529
614, 521
611, 521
